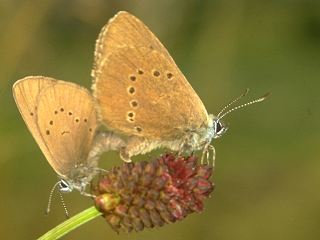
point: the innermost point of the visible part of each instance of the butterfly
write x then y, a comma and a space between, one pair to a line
62, 119
143, 96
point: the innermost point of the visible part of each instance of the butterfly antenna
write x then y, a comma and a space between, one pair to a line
260, 99
233, 101
61, 198
50, 198
66, 213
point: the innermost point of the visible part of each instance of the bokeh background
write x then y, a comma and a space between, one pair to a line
268, 164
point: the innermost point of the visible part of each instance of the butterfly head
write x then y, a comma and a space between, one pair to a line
78, 178
216, 128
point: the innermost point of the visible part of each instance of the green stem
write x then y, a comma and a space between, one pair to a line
71, 223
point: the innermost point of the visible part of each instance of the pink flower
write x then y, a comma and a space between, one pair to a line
151, 194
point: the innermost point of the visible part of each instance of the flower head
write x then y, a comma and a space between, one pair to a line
151, 194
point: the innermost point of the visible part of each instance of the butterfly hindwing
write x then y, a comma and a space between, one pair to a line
66, 119
140, 92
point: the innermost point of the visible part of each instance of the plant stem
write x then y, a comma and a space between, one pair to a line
71, 223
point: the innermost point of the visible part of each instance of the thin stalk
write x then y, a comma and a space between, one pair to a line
71, 223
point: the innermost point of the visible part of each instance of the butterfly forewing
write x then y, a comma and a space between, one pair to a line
26, 92
140, 92
66, 119
124, 30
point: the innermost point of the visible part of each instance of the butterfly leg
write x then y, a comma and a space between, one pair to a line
101, 170
211, 147
88, 194
206, 154
124, 155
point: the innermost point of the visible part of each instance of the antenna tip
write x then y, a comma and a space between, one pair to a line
265, 96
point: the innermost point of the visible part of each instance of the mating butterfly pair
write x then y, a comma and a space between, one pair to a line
139, 94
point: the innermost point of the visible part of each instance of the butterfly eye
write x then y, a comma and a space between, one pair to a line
64, 186
218, 127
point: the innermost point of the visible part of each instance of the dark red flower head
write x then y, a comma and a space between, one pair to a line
151, 194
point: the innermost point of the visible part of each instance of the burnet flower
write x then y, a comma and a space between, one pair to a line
144, 194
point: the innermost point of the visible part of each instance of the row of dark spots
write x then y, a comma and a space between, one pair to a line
70, 114
155, 73
131, 90
133, 103
77, 120
133, 78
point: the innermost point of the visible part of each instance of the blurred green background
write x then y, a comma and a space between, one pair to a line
267, 167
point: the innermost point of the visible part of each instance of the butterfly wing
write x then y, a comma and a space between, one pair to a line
122, 30
25, 92
66, 119
139, 88
141, 93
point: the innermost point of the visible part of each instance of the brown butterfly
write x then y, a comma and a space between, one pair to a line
142, 94
62, 119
